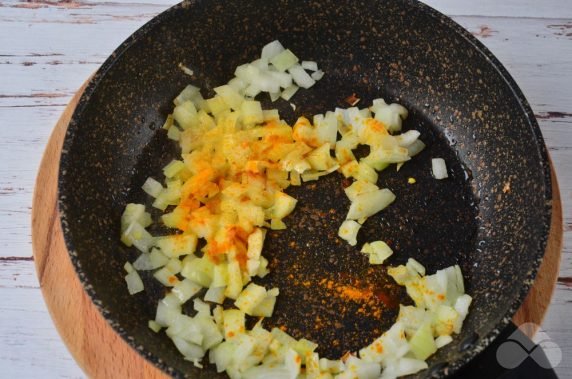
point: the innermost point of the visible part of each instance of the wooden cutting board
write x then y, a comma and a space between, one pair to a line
102, 353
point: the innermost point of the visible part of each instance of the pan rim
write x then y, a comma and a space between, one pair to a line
479, 48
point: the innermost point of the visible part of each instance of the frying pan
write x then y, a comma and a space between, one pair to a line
491, 216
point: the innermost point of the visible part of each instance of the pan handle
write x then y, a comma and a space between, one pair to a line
511, 355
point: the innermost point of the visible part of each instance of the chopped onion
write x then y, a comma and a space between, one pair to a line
309, 65
284, 60
242, 158
369, 203
271, 50
317, 75
289, 92
134, 283
439, 168
215, 295
348, 231
301, 77
152, 187
378, 252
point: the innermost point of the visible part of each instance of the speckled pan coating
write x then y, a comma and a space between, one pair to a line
492, 216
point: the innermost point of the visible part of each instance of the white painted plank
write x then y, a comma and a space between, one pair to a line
23, 136
504, 8
30, 347
18, 273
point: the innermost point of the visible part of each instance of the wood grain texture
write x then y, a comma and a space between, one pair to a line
99, 351
48, 49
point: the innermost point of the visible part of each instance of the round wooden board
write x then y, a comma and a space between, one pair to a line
102, 353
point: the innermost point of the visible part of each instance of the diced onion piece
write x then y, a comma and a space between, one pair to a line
134, 282
366, 173
319, 74
230, 96
439, 168
368, 204
186, 328
283, 205
326, 128
270, 114
168, 310
266, 307
234, 280
301, 77
415, 267
135, 213
289, 92
166, 277
271, 50
188, 93
177, 245
312, 365
168, 122
283, 79
378, 252
284, 60
251, 112
185, 289
250, 298
389, 347
237, 84
174, 133
234, 323
320, 158
185, 114
215, 295
309, 65
173, 168
358, 368
154, 326
220, 275
390, 115
359, 187
402, 367
186, 70
152, 187
189, 350
331, 366
422, 343
202, 308
136, 235
263, 268
199, 270
304, 347
293, 361
462, 307
143, 262
212, 336
348, 231
408, 138
442, 341
128, 267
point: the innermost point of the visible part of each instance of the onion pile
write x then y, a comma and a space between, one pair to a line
228, 188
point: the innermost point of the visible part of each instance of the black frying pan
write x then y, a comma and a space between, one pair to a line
491, 216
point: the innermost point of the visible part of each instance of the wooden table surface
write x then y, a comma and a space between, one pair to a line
49, 48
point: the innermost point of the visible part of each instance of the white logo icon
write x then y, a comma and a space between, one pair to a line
545, 352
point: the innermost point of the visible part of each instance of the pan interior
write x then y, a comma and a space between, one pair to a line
328, 291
